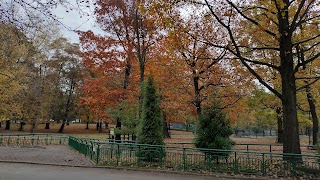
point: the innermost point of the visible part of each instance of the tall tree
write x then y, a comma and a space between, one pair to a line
200, 58
109, 77
128, 23
130, 34
254, 29
67, 79
16, 56
151, 122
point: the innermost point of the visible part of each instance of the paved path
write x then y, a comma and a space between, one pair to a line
58, 155
16, 171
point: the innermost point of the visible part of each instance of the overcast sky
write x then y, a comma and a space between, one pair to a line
76, 21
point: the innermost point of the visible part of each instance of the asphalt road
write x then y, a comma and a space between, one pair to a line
16, 171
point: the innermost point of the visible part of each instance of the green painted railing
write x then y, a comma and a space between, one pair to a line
195, 159
32, 139
178, 158
271, 147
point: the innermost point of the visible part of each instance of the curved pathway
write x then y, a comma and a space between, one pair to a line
15, 171
55, 155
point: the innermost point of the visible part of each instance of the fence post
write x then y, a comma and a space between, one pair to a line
9, 140
270, 150
32, 140
184, 157
118, 154
293, 165
163, 156
130, 150
38, 140
17, 141
235, 163
98, 154
139, 154
91, 155
263, 165
46, 139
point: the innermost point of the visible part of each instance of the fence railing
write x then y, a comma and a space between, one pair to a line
179, 158
195, 159
32, 139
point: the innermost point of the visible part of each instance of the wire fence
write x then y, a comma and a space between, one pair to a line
32, 139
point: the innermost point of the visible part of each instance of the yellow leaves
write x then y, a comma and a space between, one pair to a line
229, 14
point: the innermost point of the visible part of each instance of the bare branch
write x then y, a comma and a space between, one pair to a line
250, 19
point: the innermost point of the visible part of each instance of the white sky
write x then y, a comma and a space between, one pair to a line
76, 21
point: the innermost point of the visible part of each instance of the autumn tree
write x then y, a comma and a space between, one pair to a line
265, 107
204, 71
307, 103
130, 34
128, 23
256, 28
172, 76
107, 76
65, 73
15, 57
201, 59
31, 90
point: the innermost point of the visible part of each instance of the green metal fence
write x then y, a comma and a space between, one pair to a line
32, 139
195, 159
178, 158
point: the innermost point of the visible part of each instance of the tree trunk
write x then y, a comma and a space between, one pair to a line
141, 55
118, 127
21, 126
62, 127
0, 124
141, 98
291, 140
87, 126
127, 73
197, 93
166, 132
280, 125
33, 127
97, 126
133, 137
100, 127
47, 125
314, 117
7, 125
